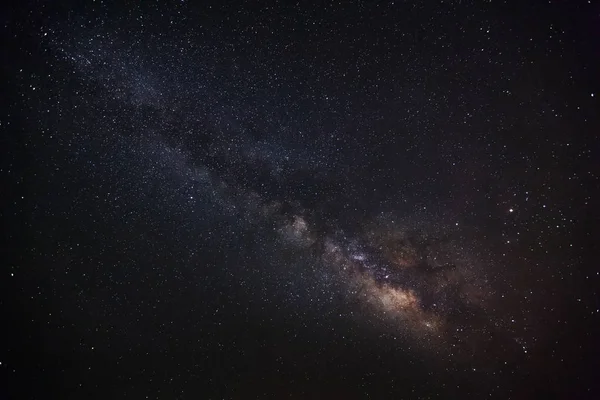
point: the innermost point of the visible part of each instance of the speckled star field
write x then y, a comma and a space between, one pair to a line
286, 200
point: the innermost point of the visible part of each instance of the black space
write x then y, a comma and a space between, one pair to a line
293, 200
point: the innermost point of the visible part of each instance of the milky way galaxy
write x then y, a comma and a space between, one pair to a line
367, 200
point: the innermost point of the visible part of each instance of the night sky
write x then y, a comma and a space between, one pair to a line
283, 200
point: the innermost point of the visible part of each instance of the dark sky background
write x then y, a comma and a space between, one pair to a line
284, 200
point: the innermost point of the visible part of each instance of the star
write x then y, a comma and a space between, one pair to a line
196, 186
